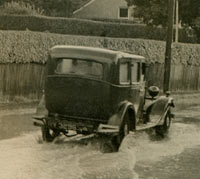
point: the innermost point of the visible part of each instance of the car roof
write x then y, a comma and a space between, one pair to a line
91, 53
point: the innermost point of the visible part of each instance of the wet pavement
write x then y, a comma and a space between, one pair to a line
142, 155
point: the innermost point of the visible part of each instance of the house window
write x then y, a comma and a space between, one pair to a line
123, 12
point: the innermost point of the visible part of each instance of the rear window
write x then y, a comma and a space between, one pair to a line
80, 67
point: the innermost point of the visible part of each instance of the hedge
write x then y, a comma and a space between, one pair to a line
28, 46
86, 27
127, 21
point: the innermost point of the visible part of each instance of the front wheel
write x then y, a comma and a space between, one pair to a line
163, 129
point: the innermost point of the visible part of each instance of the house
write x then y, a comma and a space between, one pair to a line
104, 9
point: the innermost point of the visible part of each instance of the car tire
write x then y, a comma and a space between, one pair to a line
163, 129
123, 131
48, 135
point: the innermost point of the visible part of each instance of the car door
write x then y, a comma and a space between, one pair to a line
136, 88
131, 82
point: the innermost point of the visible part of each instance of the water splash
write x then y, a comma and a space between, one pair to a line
180, 137
23, 157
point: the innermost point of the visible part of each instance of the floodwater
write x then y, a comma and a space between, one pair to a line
142, 155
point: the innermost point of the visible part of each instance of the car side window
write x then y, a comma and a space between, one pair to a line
135, 72
124, 73
143, 72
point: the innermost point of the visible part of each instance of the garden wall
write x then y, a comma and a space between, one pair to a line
21, 82
23, 56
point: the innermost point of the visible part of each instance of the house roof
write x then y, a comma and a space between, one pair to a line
83, 6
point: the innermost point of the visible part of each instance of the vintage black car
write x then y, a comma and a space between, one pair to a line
94, 90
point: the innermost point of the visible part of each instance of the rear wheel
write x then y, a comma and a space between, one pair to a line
49, 135
163, 129
123, 131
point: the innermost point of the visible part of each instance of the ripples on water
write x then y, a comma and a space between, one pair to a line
180, 136
24, 157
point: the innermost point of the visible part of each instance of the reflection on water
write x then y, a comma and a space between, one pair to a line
13, 125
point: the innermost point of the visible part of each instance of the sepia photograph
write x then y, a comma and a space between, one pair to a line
99, 89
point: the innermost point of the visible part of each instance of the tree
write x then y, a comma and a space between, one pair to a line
196, 27
63, 8
154, 12
189, 11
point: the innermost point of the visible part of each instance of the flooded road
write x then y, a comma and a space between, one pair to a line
176, 157
142, 155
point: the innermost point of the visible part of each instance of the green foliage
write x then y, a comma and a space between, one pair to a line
79, 27
19, 8
84, 27
135, 21
154, 12
196, 27
62, 8
27, 47
189, 10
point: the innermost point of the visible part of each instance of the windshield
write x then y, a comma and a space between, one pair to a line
80, 67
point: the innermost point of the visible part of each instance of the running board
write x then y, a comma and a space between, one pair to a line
107, 129
148, 125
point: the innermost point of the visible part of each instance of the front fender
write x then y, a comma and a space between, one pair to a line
157, 110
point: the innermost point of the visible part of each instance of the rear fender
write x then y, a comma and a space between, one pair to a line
157, 110
117, 118
41, 110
